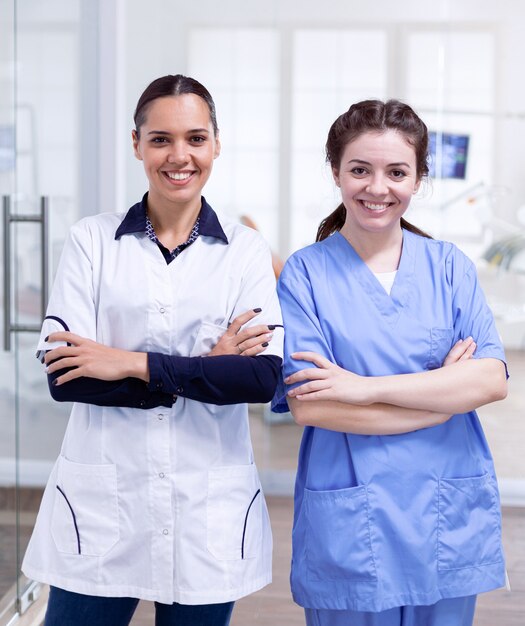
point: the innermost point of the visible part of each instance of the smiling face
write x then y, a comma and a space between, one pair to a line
177, 146
377, 176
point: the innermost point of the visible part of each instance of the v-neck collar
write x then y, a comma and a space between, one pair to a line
389, 305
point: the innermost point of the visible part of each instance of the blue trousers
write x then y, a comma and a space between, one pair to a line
66, 608
449, 612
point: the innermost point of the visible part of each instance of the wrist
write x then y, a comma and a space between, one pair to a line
138, 366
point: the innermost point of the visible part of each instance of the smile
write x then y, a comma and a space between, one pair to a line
178, 175
376, 206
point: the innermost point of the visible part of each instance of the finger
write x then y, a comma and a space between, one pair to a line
469, 352
309, 388
60, 353
306, 374
457, 350
65, 336
241, 319
259, 340
252, 331
254, 351
65, 378
312, 357
62, 364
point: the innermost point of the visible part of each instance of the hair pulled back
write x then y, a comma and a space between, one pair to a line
374, 116
172, 85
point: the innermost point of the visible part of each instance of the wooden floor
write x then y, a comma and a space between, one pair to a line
273, 606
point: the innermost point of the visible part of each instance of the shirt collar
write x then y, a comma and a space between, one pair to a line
135, 221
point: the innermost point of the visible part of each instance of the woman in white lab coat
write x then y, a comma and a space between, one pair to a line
155, 494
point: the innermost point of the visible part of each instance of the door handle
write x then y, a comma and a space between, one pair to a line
42, 219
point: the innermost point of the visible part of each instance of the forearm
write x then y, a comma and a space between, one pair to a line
127, 392
227, 379
457, 388
374, 419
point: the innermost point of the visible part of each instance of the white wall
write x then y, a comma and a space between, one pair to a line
156, 39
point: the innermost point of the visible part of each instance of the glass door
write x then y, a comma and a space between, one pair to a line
40, 54
9, 516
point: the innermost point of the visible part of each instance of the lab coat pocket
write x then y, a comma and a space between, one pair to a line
338, 543
469, 530
207, 337
85, 516
234, 512
440, 343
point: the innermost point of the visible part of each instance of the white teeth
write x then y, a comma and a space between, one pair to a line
375, 207
178, 175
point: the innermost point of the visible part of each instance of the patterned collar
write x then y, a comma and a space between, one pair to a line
169, 255
135, 221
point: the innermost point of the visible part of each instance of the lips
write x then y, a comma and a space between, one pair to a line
179, 178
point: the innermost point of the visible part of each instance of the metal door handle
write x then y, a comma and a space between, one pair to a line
42, 219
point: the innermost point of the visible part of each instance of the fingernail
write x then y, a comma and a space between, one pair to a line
265, 344
269, 335
55, 382
46, 338
271, 327
257, 310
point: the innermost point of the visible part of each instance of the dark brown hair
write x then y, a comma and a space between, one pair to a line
374, 116
172, 85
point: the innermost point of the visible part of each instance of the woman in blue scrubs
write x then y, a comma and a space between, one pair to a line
397, 517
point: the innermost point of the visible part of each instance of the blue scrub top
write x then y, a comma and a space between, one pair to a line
384, 521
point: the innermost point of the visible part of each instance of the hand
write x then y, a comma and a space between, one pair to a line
93, 360
462, 350
327, 382
246, 342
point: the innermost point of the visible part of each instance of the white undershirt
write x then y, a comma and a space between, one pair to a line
386, 279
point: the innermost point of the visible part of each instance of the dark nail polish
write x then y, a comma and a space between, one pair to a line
46, 338
265, 344
257, 310
54, 382
271, 327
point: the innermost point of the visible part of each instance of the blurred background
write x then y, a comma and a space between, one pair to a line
280, 72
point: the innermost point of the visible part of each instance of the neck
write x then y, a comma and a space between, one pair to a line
381, 251
173, 222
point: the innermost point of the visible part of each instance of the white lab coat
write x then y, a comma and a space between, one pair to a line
166, 501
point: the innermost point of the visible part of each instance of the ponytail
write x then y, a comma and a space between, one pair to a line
331, 224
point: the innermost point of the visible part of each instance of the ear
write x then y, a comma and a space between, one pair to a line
416, 186
135, 140
335, 174
217, 150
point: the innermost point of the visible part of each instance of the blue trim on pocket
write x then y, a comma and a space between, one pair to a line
246, 521
74, 518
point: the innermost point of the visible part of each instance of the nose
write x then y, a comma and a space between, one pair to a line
178, 153
377, 185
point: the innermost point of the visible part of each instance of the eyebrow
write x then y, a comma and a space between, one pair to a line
165, 132
361, 162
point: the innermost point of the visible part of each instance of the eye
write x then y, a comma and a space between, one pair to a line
359, 171
159, 140
197, 139
399, 174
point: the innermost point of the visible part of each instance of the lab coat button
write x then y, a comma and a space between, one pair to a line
162, 310
160, 416
165, 531
161, 475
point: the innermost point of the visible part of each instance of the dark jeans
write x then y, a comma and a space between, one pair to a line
66, 608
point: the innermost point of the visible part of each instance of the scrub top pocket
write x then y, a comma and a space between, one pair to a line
469, 531
441, 340
85, 518
234, 512
338, 544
